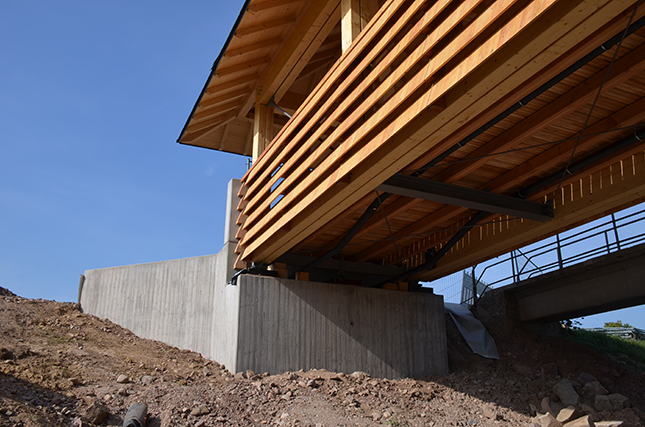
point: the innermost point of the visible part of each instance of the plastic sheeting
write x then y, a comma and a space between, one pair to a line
473, 331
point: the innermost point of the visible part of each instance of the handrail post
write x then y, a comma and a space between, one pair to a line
513, 265
613, 221
559, 251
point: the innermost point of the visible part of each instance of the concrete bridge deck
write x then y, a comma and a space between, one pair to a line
606, 283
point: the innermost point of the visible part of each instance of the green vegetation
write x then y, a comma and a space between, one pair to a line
617, 324
630, 351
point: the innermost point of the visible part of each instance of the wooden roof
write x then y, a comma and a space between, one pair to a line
449, 131
301, 36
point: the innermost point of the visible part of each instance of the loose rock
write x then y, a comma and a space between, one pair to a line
565, 391
95, 413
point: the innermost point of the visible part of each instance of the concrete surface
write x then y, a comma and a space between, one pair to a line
270, 325
606, 283
287, 325
185, 303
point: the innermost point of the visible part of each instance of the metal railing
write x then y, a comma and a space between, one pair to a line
583, 243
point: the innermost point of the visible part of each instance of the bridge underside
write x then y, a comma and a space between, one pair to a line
447, 133
607, 283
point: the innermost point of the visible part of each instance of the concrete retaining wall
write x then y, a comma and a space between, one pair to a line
185, 302
271, 325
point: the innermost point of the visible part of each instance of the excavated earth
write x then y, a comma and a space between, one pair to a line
60, 367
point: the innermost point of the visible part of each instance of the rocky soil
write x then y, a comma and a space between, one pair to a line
60, 367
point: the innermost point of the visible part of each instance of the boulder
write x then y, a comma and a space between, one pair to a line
568, 414
546, 420
565, 391
581, 422
585, 378
95, 413
550, 407
612, 402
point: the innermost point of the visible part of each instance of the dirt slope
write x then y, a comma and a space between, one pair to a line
60, 367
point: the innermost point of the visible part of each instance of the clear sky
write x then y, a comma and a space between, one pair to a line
93, 96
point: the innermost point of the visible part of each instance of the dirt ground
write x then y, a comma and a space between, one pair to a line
60, 367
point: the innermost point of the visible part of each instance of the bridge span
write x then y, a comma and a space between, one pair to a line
606, 283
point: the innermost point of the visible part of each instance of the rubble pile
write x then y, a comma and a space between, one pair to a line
60, 367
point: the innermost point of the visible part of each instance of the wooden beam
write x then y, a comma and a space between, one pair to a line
264, 44
268, 25
221, 99
255, 7
566, 18
312, 28
350, 22
233, 104
262, 128
258, 62
231, 84
355, 15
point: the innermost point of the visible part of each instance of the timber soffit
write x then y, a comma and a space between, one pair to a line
259, 31
300, 186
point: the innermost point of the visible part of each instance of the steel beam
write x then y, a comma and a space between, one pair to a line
450, 194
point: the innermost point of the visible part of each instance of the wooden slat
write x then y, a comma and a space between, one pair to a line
588, 44
299, 118
268, 25
252, 47
622, 70
410, 87
257, 62
241, 81
400, 153
305, 130
627, 191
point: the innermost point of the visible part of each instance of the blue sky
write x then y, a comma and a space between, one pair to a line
93, 98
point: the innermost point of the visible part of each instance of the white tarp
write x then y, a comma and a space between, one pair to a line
473, 331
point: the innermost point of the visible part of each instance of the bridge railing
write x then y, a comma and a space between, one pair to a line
610, 234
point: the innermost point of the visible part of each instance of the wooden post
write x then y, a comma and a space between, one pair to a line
262, 129
355, 14
350, 12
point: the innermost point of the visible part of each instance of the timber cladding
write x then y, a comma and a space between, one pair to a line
418, 79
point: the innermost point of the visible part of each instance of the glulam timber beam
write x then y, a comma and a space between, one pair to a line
262, 128
355, 15
311, 29
520, 49
449, 194
630, 117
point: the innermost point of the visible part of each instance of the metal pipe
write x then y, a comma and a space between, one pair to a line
136, 415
